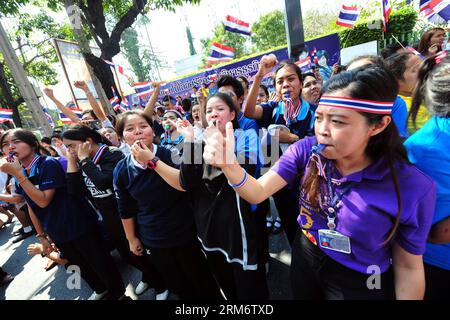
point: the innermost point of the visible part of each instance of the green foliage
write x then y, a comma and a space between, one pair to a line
138, 57
269, 31
401, 22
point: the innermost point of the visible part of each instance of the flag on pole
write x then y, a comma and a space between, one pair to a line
235, 25
6, 115
116, 103
386, 13
78, 113
348, 16
49, 117
220, 53
304, 64
143, 88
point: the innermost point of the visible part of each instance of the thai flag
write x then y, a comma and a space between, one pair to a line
348, 16
386, 13
424, 6
235, 25
212, 77
436, 11
119, 68
6, 115
304, 64
125, 104
78, 113
414, 51
115, 103
220, 53
49, 118
143, 88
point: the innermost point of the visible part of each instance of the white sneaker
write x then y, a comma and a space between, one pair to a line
98, 296
163, 296
141, 288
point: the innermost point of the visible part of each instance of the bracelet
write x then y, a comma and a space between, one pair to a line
240, 184
42, 235
84, 161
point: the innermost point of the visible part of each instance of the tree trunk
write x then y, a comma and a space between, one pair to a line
11, 103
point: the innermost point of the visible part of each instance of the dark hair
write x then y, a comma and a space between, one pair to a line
23, 135
122, 119
81, 132
229, 102
290, 64
230, 81
186, 104
57, 135
309, 74
169, 98
392, 49
372, 60
433, 87
91, 112
424, 43
375, 83
245, 80
397, 64
46, 140
265, 89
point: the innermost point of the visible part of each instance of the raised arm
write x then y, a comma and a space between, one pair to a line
202, 103
69, 113
153, 99
251, 109
219, 152
99, 112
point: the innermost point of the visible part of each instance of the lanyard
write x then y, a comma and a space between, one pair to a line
333, 199
99, 153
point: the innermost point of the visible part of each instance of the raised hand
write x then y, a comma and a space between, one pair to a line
266, 64
12, 167
184, 128
49, 93
81, 85
273, 96
219, 150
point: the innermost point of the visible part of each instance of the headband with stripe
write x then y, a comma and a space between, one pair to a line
361, 105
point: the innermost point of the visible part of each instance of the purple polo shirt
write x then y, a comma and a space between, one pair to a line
369, 208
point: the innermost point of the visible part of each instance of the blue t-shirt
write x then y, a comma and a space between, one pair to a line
67, 217
428, 149
247, 123
400, 116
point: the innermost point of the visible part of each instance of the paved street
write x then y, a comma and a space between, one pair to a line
33, 282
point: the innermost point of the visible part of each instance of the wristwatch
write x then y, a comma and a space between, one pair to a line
84, 161
151, 164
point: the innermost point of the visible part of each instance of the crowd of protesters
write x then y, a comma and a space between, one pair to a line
356, 161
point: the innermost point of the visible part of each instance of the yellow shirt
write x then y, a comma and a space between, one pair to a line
422, 116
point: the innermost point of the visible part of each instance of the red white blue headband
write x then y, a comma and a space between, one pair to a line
360, 105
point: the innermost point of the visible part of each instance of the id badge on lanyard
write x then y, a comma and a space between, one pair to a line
330, 239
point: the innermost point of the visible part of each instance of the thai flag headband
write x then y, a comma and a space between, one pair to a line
361, 105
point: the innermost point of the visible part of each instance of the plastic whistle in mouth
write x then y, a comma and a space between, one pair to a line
318, 148
287, 95
11, 156
167, 127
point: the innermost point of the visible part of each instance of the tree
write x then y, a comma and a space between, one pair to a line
191, 41
94, 14
140, 60
234, 40
38, 65
269, 31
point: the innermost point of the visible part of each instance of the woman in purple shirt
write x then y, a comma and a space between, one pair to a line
365, 211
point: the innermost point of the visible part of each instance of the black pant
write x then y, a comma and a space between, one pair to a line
315, 276
236, 283
437, 281
286, 201
114, 228
185, 272
97, 267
